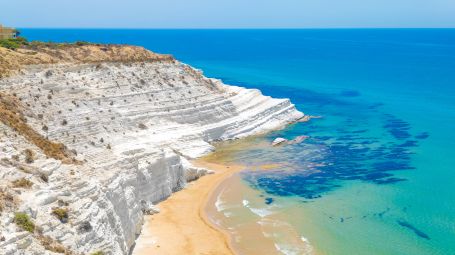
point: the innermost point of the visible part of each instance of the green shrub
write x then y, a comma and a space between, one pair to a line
98, 253
81, 43
21, 40
13, 43
23, 221
9, 44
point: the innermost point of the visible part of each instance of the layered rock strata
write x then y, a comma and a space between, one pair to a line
126, 127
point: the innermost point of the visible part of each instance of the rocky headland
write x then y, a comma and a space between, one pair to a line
92, 136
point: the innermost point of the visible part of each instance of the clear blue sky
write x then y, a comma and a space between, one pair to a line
227, 13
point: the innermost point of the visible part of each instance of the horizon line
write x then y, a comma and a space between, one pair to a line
234, 28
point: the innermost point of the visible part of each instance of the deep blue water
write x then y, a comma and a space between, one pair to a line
377, 174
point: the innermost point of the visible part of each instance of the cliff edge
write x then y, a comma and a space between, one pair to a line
92, 136
35, 53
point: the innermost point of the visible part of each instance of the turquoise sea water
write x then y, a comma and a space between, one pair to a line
377, 174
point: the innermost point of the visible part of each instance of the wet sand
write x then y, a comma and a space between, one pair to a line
252, 235
182, 227
268, 234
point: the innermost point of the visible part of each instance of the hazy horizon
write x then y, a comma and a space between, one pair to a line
234, 14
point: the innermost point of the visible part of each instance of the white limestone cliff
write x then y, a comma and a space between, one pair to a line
132, 126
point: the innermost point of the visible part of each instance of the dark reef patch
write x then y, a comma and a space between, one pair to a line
375, 106
397, 127
413, 228
423, 135
268, 200
353, 142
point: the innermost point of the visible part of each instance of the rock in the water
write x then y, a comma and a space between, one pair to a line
278, 141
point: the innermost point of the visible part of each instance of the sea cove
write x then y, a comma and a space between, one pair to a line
376, 174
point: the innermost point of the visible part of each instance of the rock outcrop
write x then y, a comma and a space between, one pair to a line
279, 141
127, 127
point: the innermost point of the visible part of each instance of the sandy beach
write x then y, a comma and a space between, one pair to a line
181, 227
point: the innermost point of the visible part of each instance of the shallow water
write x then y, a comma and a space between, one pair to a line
375, 175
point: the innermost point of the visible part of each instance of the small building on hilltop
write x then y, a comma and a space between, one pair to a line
8, 32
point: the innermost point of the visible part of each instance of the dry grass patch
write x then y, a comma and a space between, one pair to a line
22, 183
52, 245
11, 114
7, 201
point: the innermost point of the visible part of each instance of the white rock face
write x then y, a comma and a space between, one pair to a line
133, 126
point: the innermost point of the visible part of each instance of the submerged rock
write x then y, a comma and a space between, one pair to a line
268, 200
298, 139
308, 118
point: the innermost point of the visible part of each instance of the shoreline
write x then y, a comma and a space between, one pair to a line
255, 237
203, 210
182, 226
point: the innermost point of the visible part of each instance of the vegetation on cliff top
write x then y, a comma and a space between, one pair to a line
18, 53
22, 42
13, 44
